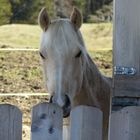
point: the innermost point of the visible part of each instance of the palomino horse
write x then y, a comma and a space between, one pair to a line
71, 76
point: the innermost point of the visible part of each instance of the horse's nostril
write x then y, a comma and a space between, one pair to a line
67, 101
66, 107
51, 99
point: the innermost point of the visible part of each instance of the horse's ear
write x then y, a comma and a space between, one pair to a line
76, 18
43, 19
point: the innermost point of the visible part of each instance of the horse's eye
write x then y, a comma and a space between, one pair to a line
41, 55
78, 54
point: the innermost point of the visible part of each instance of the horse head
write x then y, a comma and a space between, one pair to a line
62, 51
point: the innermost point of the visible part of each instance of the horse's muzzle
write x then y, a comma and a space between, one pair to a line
66, 108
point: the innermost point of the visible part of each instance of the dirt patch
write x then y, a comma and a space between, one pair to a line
20, 72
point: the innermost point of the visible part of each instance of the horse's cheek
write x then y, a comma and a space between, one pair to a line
50, 77
77, 77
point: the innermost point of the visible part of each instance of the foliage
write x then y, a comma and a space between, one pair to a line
20, 9
89, 8
81, 4
37, 6
26, 11
5, 12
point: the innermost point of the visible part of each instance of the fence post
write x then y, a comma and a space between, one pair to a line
125, 124
10, 122
86, 123
47, 122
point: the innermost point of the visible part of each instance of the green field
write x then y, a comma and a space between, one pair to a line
96, 36
19, 36
20, 71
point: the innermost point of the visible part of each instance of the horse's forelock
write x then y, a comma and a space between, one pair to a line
64, 27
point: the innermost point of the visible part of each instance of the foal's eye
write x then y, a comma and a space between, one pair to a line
78, 54
41, 55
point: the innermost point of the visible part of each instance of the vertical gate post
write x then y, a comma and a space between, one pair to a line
124, 124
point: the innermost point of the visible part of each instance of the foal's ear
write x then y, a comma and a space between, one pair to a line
43, 19
76, 18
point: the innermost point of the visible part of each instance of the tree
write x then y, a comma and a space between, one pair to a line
26, 11
63, 8
83, 5
89, 7
21, 10
38, 5
5, 12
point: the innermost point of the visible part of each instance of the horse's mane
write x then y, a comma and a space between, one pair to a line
92, 76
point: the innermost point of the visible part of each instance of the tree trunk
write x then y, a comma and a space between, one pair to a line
63, 8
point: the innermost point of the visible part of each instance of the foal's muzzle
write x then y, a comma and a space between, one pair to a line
66, 108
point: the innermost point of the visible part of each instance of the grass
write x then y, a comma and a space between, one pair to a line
96, 36
19, 36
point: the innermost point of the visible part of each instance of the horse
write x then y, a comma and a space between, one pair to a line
71, 77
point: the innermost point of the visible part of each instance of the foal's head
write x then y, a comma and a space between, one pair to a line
62, 51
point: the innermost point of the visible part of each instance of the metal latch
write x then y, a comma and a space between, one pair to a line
119, 70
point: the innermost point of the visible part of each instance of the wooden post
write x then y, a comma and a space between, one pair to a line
47, 122
10, 122
86, 123
126, 54
126, 48
125, 124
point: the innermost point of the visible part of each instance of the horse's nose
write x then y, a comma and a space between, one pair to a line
64, 103
61, 101
51, 99
67, 101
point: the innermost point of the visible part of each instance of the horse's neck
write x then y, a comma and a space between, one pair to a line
92, 77
93, 85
